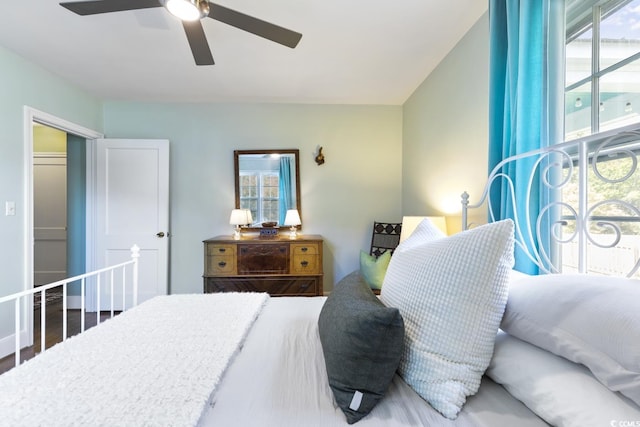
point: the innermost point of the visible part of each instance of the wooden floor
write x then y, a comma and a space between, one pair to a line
54, 331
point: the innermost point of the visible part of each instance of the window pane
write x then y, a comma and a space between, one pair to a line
270, 210
578, 58
271, 180
620, 35
248, 186
578, 112
248, 192
251, 204
270, 186
608, 184
620, 96
270, 193
248, 180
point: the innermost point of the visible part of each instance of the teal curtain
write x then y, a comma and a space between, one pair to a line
285, 188
525, 105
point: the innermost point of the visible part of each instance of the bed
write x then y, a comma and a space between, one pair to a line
455, 338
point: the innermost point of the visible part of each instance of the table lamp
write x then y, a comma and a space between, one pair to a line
239, 217
292, 218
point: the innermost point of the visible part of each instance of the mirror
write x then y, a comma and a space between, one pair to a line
267, 183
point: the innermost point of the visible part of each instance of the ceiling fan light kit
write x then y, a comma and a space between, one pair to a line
191, 12
188, 10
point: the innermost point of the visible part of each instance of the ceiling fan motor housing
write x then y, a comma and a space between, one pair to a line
187, 10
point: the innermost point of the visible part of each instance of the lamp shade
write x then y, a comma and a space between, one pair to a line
409, 224
240, 217
292, 218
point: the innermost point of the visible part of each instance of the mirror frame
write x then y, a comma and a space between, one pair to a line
236, 169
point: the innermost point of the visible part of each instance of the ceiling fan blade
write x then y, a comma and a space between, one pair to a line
198, 42
254, 25
105, 6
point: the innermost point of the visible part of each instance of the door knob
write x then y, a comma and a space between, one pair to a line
160, 234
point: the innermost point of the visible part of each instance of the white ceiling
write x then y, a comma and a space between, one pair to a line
351, 52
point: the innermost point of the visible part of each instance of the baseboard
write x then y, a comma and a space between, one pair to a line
8, 343
74, 302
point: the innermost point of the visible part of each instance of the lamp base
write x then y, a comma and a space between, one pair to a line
236, 233
293, 232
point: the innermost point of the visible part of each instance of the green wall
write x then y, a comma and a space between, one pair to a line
359, 182
24, 84
445, 130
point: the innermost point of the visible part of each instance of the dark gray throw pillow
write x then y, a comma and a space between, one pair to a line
362, 344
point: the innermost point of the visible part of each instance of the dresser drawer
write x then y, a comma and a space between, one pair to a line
221, 265
220, 259
305, 249
263, 258
221, 249
275, 286
305, 258
305, 264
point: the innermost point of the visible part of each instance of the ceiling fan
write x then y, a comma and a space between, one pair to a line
191, 12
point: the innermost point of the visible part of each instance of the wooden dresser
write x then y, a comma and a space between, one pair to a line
277, 265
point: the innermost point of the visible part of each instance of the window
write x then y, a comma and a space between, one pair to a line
259, 193
602, 72
612, 192
602, 93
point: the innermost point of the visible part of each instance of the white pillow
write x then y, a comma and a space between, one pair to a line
425, 231
560, 392
451, 293
593, 320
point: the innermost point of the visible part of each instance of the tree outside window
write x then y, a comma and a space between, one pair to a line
602, 93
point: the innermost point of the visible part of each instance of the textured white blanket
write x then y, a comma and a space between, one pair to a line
154, 365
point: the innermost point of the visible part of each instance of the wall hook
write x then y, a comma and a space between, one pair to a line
320, 157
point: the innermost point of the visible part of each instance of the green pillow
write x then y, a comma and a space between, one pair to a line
362, 342
373, 269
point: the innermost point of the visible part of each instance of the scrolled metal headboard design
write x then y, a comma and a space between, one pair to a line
589, 217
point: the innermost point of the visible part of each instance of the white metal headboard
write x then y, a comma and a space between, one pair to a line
590, 221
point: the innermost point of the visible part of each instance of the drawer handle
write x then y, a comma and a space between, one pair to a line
304, 249
283, 250
222, 264
305, 286
304, 263
223, 250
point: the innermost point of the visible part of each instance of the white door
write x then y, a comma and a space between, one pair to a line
132, 207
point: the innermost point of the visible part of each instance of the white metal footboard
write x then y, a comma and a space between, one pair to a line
96, 277
591, 211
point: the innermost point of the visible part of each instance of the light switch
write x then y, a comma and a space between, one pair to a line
10, 208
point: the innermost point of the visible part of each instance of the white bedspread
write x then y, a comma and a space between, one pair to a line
279, 379
161, 372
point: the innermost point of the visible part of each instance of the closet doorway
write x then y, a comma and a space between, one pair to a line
49, 204
59, 206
